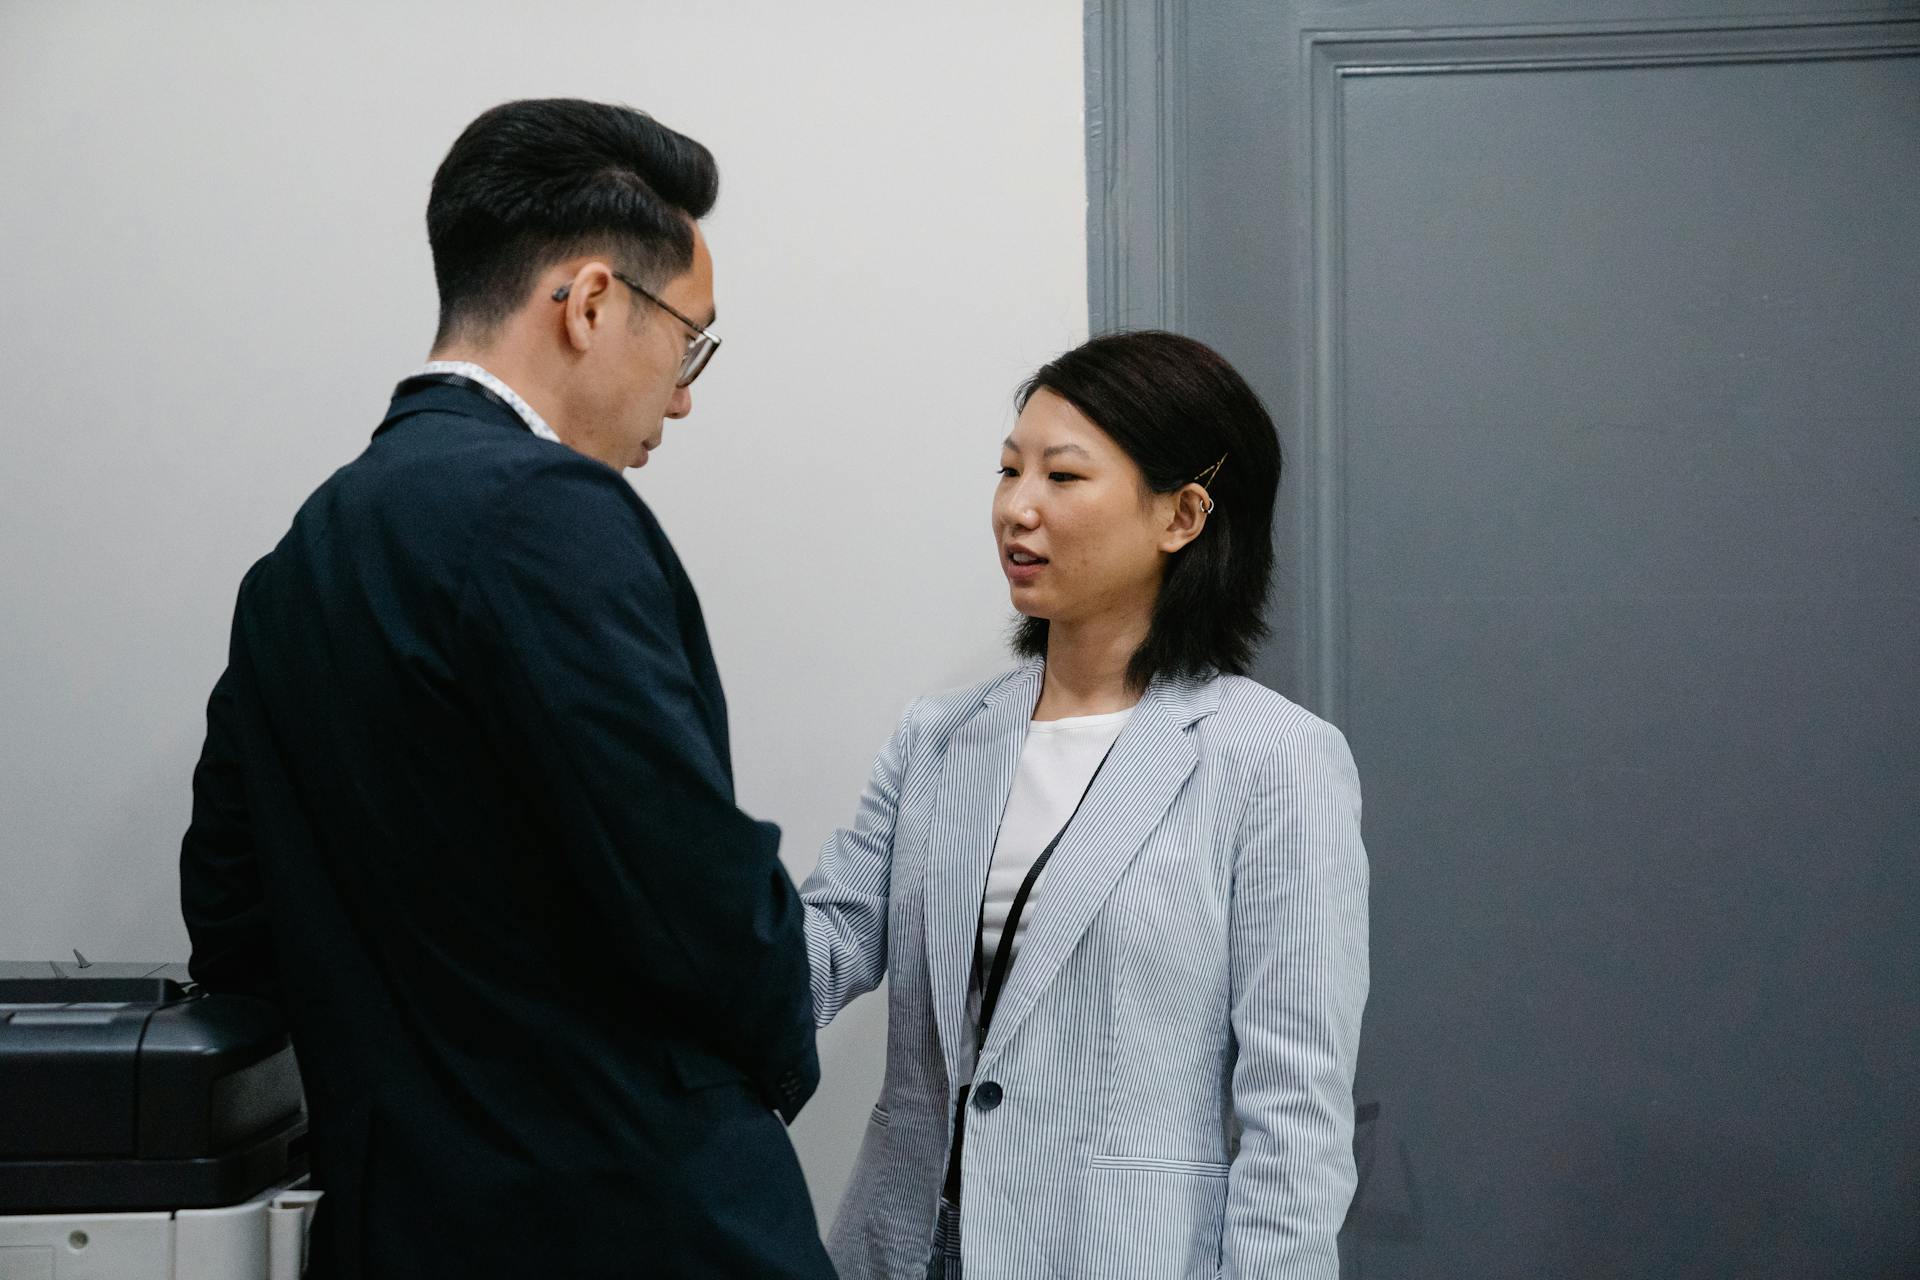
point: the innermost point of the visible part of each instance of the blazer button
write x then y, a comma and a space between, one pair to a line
987, 1096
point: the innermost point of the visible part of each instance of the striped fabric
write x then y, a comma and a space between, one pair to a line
1174, 1050
945, 1261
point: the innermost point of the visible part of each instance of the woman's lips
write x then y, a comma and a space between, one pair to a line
1018, 574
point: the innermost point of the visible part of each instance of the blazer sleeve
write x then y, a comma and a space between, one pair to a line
846, 896
222, 898
591, 698
1299, 965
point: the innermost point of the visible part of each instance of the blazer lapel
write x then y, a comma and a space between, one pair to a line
976, 777
1151, 760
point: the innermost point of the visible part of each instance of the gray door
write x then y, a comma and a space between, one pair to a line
1597, 349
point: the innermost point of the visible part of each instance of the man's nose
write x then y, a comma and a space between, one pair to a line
681, 404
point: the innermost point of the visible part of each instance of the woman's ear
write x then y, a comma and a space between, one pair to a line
1190, 507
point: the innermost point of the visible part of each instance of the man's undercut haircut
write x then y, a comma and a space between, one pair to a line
535, 182
1176, 407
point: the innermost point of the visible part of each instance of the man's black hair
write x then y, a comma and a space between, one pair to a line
1176, 407
531, 183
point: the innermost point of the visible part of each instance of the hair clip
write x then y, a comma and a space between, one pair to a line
1205, 478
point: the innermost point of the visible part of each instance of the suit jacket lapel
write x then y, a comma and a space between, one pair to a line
977, 775
1151, 761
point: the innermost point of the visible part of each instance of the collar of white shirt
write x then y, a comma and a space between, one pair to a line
468, 369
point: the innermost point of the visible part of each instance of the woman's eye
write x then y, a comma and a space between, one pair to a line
1061, 477
1007, 473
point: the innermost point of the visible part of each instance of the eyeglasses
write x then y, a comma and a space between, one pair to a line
700, 347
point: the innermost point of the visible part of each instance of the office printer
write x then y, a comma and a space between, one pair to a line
146, 1129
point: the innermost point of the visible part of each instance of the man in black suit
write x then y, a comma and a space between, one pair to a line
465, 809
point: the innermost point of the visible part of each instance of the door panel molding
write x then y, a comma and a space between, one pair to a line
1333, 59
1136, 164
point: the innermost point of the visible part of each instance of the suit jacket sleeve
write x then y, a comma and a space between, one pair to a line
591, 698
221, 896
846, 896
1299, 963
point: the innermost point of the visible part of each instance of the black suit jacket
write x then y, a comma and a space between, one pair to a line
466, 812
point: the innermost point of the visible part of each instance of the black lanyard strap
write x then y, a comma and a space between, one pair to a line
997, 973
1003, 953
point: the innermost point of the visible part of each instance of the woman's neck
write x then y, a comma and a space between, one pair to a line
1086, 671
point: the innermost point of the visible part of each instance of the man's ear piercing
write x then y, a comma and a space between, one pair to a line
560, 294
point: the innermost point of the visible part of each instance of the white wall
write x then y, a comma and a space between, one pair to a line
213, 267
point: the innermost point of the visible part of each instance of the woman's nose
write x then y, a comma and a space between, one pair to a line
1017, 509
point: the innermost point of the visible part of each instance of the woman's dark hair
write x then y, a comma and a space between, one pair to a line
1176, 407
531, 183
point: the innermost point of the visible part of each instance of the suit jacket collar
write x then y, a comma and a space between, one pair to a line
977, 775
1151, 760
445, 393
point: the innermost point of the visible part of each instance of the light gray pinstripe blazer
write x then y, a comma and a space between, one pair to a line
1176, 1040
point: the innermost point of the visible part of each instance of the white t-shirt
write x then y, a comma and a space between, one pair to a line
1055, 765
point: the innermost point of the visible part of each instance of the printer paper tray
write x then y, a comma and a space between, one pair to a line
121, 1186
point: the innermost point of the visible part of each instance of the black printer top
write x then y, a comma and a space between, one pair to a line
123, 1088
64, 982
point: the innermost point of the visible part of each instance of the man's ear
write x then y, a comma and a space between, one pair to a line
1188, 518
584, 304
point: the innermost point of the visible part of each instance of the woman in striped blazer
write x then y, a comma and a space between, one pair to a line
1119, 891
